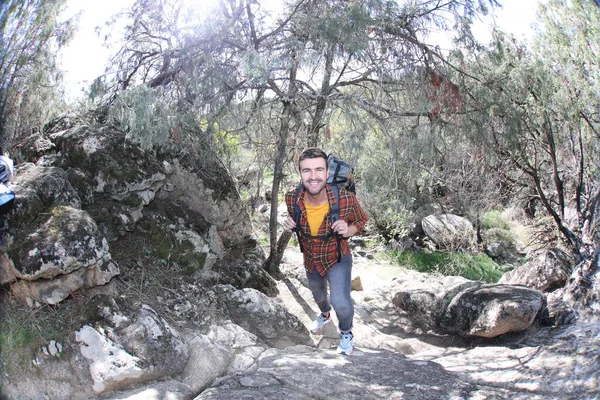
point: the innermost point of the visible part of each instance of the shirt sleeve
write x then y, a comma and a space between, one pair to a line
289, 202
359, 217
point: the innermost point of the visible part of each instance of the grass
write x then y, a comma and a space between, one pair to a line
473, 266
23, 331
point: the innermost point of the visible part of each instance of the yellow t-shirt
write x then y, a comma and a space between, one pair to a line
315, 215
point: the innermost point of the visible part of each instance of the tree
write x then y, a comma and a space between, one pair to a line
538, 116
30, 36
569, 46
289, 73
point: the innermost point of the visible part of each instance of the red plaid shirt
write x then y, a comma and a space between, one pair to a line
322, 253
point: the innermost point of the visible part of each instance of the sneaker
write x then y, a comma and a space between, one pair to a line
346, 345
318, 323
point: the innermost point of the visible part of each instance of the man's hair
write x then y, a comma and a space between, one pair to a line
312, 152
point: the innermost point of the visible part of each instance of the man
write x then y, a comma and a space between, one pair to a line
319, 241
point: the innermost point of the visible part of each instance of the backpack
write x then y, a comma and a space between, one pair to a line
340, 176
7, 197
6, 170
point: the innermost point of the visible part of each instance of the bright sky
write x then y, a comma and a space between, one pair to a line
85, 58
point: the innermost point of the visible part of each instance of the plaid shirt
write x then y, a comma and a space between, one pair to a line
318, 253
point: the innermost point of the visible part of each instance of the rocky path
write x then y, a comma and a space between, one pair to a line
545, 363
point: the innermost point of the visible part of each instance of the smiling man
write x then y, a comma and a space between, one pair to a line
324, 243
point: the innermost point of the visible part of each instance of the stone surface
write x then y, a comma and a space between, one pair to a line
468, 308
449, 231
545, 271
86, 190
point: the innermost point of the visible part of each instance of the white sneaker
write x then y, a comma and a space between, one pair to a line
346, 345
318, 323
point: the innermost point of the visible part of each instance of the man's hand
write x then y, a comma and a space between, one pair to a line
342, 228
289, 224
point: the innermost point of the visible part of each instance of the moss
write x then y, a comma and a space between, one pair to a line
193, 262
133, 200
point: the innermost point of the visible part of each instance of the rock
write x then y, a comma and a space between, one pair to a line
356, 284
267, 319
170, 389
230, 349
302, 372
449, 231
422, 212
545, 271
88, 186
491, 310
247, 272
468, 308
63, 254
131, 349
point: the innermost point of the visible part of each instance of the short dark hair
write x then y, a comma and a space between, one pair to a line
312, 152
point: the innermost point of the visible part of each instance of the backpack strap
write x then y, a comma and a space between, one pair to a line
335, 215
296, 217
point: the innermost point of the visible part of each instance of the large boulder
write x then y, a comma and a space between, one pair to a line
270, 321
55, 247
469, 308
545, 271
119, 345
449, 231
87, 190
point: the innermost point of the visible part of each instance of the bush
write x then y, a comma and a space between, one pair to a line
494, 219
473, 266
388, 217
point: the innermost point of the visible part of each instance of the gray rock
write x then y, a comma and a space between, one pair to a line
491, 310
302, 372
468, 308
131, 349
545, 271
449, 231
261, 315
63, 254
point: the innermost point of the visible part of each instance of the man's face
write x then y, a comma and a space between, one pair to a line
314, 174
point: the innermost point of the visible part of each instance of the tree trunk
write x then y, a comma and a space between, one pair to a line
278, 246
271, 265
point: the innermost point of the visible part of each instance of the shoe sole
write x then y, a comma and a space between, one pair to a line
345, 352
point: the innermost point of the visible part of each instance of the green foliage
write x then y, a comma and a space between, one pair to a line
494, 219
388, 216
23, 330
16, 335
146, 116
476, 266
226, 144
30, 36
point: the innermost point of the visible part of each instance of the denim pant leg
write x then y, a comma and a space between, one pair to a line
318, 286
340, 280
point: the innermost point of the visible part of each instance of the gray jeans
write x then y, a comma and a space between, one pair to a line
340, 279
